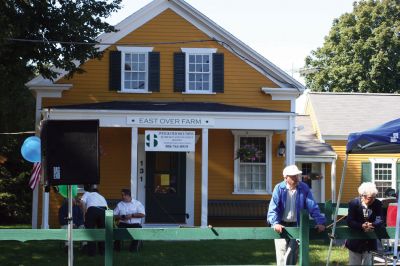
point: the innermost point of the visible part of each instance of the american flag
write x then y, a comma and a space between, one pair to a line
35, 176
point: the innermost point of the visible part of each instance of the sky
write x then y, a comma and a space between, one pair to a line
283, 31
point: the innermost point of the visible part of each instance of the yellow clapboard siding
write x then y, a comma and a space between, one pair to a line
242, 87
242, 82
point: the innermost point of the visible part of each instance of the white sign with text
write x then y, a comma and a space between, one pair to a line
169, 140
187, 122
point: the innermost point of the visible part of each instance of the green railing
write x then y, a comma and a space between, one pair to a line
304, 233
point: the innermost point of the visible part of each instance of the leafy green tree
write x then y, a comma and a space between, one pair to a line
36, 37
361, 52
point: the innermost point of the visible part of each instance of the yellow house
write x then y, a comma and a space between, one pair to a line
330, 118
170, 69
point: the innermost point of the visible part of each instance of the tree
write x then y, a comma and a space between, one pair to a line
361, 52
36, 37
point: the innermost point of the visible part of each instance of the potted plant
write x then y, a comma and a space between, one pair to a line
249, 153
315, 176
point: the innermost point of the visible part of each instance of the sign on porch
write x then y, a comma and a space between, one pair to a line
169, 140
185, 122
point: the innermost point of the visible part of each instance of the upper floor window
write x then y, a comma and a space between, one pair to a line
134, 69
253, 169
199, 70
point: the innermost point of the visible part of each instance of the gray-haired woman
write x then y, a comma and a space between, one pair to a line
365, 214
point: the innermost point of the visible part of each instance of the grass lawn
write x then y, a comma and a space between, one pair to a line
217, 252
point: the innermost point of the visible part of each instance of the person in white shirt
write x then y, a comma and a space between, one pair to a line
95, 206
129, 212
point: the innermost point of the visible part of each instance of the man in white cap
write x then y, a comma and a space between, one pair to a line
288, 199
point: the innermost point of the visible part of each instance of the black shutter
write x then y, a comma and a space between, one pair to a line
366, 175
154, 71
115, 71
218, 73
179, 72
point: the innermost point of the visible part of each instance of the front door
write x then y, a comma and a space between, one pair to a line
166, 187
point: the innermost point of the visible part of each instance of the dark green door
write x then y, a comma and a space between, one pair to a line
165, 187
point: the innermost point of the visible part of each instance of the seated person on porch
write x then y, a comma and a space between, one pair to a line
129, 212
77, 217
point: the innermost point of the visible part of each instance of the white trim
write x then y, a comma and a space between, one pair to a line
333, 181
282, 94
141, 170
132, 91
268, 164
134, 162
316, 159
190, 194
334, 137
222, 120
199, 92
204, 178
290, 142
392, 161
134, 49
323, 182
199, 50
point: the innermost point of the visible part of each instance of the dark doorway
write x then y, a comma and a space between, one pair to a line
165, 187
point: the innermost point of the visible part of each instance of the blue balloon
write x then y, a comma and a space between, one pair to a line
30, 149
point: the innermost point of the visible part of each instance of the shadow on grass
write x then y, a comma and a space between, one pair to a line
217, 252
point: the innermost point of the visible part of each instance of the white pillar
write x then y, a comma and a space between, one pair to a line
45, 210
35, 194
333, 180
290, 142
204, 177
134, 161
323, 183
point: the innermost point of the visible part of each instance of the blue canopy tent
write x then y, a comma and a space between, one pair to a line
382, 139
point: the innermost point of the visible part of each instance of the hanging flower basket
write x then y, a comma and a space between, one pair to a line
248, 153
315, 176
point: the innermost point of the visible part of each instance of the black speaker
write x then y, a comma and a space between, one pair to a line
70, 152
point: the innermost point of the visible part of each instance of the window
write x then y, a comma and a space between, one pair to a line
383, 175
199, 69
252, 172
135, 69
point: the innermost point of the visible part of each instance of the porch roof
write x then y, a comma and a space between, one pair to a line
307, 143
165, 106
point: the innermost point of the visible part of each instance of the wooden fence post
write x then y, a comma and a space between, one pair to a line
109, 245
304, 238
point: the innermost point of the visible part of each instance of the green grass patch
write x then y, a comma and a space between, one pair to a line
16, 226
210, 252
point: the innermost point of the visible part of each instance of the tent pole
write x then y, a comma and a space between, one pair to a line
396, 237
337, 209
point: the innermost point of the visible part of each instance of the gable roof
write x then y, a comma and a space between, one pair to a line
203, 23
339, 114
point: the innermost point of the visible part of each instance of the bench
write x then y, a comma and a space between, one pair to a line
238, 209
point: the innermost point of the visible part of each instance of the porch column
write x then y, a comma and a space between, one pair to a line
134, 161
204, 177
290, 142
333, 180
323, 183
35, 194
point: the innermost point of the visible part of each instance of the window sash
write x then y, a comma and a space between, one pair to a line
134, 71
252, 175
383, 175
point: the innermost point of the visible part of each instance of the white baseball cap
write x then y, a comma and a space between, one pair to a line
291, 170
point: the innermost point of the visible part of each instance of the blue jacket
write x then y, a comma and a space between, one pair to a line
304, 200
